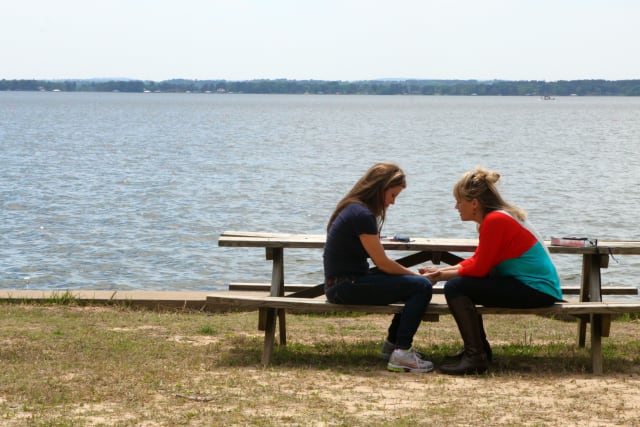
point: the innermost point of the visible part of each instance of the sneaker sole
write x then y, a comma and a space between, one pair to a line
400, 368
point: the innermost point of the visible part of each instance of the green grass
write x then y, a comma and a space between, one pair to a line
68, 365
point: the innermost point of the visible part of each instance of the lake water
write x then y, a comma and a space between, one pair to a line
131, 191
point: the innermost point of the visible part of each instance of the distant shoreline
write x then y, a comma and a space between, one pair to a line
543, 89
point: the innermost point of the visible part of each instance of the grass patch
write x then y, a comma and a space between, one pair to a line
208, 330
65, 364
64, 298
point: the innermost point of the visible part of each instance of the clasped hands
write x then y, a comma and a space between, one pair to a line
434, 274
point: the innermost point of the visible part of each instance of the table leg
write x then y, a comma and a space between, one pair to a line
269, 335
277, 289
267, 317
584, 296
595, 283
596, 342
282, 325
590, 289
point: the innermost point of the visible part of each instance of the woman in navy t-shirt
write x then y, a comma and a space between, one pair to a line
353, 236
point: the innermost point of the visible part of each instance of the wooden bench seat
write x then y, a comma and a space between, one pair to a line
265, 287
597, 313
566, 290
321, 305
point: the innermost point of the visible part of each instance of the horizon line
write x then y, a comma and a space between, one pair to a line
383, 79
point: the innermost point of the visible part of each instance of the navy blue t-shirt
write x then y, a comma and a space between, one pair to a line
344, 254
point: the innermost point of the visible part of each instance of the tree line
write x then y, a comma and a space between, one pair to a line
365, 87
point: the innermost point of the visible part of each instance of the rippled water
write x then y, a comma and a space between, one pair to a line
130, 191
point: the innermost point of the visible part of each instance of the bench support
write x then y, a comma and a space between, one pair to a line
267, 316
269, 334
596, 342
591, 290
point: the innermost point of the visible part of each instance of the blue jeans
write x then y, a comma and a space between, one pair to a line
382, 289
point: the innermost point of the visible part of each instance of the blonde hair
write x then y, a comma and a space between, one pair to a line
370, 189
480, 184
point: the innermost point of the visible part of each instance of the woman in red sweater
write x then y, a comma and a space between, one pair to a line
511, 267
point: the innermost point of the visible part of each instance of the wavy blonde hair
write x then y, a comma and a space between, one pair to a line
480, 184
369, 190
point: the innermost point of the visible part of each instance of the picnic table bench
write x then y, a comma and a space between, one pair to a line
310, 298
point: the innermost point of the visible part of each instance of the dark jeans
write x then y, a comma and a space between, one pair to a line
497, 292
383, 289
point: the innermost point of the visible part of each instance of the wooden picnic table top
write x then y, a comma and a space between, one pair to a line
311, 241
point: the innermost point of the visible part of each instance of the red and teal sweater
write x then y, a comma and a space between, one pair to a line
509, 247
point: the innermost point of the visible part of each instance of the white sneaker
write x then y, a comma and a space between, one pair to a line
408, 361
387, 349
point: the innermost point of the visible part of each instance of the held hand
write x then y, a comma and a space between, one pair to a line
427, 270
434, 277
432, 273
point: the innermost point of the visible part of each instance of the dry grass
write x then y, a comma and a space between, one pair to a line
74, 366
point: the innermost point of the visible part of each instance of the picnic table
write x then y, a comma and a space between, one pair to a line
436, 250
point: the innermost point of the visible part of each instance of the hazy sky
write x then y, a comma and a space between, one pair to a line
320, 39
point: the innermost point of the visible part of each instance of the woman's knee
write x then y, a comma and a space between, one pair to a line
425, 286
452, 288
417, 287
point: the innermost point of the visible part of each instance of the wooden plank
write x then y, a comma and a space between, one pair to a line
321, 305
295, 287
312, 292
619, 247
284, 240
259, 287
290, 240
306, 304
576, 309
273, 240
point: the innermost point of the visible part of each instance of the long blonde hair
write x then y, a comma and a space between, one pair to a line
480, 184
370, 189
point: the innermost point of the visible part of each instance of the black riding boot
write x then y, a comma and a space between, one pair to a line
474, 360
487, 346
